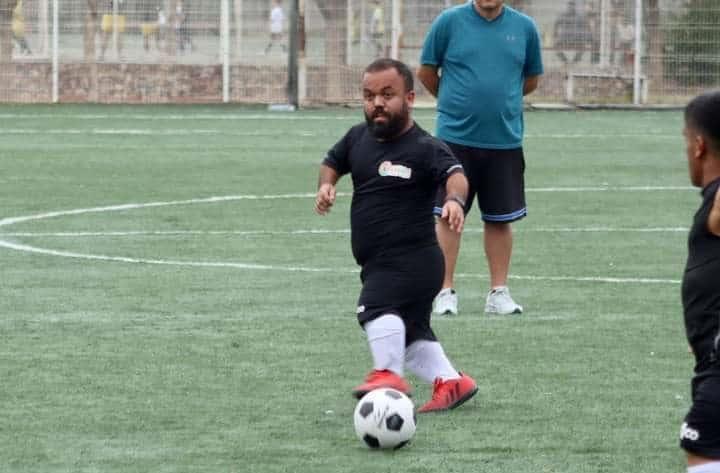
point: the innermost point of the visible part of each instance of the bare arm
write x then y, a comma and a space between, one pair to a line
430, 78
325, 197
713, 222
531, 83
454, 208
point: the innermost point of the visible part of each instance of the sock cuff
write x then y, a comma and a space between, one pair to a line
712, 467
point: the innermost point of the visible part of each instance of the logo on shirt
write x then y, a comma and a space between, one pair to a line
687, 432
394, 170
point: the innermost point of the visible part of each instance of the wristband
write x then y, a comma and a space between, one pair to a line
456, 199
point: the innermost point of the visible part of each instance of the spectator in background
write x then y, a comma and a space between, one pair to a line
377, 27
110, 20
149, 28
182, 32
488, 55
571, 33
591, 36
625, 35
18, 29
277, 27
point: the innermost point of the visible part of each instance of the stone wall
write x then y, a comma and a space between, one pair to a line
31, 82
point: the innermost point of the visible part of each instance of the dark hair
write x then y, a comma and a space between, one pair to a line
703, 115
384, 64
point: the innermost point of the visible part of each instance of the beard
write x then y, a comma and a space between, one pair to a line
389, 129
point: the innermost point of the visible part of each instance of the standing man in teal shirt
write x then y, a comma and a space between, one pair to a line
479, 59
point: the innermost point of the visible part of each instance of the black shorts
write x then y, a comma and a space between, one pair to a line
496, 177
404, 285
700, 433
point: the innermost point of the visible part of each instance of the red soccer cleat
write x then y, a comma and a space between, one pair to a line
381, 379
450, 394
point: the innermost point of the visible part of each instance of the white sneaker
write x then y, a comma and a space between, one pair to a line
446, 302
499, 302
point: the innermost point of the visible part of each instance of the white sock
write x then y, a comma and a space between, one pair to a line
712, 467
427, 360
386, 337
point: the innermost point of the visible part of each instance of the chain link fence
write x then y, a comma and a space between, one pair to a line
653, 52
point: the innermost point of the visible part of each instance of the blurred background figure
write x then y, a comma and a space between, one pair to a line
18, 29
149, 28
377, 28
625, 43
114, 17
182, 31
571, 34
277, 26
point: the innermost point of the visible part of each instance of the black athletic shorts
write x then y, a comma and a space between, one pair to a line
404, 285
700, 433
496, 177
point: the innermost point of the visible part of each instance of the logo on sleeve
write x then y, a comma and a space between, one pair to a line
394, 170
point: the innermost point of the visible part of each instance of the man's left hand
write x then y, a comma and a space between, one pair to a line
454, 214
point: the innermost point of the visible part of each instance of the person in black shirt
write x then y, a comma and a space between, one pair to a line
700, 432
396, 168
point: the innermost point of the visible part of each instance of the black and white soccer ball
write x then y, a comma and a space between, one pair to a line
385, 418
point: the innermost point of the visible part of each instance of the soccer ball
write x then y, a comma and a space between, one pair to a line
385, 418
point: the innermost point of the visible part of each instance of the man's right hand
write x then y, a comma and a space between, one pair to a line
324, 199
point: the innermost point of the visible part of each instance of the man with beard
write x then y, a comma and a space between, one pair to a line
700, 433
396, 168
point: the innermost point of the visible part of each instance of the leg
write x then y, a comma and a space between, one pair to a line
498, 249
502, 201
451, 389
698, 464
450, 244
427, 360
386, 337
104, 44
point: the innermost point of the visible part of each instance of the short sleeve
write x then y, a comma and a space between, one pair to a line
533, 64
435, 44
338, 157
444, 163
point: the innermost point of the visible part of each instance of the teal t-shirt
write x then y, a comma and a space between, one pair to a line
483, 66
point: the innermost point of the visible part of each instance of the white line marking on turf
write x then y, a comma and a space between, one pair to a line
112, 208
221, 264
146, 132
123, 207
581, 279
191, 117
209, 264
345, 231
214, 131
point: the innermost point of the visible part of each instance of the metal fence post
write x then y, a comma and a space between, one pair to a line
225, 49
55, 52
637, 79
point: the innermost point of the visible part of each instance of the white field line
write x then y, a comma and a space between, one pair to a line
123, 207
144, 132
213, 131
342, 231
193, 117
227, 198
207, 264
113, 208
304, 269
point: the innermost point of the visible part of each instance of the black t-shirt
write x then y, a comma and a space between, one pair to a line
394, 186
701, 286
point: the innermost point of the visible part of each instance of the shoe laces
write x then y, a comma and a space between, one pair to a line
376, 374
439, 388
